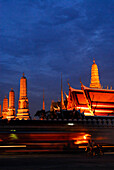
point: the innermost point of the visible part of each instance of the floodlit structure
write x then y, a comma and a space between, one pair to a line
93, 100
23, 110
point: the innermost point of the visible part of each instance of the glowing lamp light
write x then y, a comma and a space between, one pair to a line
70, 124
84, 137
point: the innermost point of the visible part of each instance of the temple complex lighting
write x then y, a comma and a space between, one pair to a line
23, 110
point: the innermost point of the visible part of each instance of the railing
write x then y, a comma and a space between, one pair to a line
98, 121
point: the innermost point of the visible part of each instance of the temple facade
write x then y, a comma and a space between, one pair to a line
23, 104
93, 100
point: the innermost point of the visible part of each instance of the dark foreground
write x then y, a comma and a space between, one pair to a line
56, 161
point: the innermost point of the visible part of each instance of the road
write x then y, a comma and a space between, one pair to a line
56, 161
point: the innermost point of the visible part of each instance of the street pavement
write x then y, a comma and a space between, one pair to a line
56, 161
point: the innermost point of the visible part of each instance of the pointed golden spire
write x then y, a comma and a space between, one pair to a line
43, 101
95, 82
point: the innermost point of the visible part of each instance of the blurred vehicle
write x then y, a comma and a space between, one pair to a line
82, 139
95, 150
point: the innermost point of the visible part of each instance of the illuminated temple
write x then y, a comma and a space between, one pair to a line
9, 112
93, 100
23, 110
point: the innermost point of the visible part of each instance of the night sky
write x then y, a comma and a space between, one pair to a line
44, 38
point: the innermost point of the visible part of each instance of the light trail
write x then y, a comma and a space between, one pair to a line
13, 146
81, 147
109, 153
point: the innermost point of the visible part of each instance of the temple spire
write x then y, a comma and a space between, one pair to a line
23, 104
5, 108
62, 100
43, 101
95, 82
11, 109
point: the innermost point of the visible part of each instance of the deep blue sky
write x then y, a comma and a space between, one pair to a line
43, 38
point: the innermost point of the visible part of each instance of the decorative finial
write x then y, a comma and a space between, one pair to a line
93, 60
81, 83
23, 74
80, 80
11, 88
68, 83
66, 95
